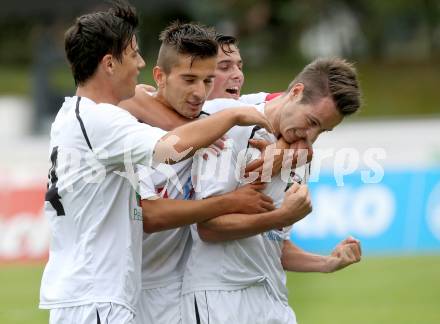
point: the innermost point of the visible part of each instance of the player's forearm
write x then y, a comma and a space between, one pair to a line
238, 226
164, 214
295, 259
138, 106
193, 136
147, 109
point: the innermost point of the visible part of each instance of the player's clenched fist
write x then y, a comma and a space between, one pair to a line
297, 204
345, 253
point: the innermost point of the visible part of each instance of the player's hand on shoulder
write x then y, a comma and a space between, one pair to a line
146, 88
297, 203
247, 116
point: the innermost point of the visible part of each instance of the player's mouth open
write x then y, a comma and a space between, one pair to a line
232, 91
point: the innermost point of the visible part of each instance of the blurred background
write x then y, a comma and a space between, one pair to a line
377, 177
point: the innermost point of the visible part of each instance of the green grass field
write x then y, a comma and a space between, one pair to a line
400, 290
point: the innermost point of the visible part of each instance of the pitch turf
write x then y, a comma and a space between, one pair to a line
400, 290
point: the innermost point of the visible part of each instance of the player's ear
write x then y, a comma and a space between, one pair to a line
159, 76
296, 92
107, 63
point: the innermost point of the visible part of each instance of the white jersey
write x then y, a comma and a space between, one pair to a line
95, 218
164, 254
240, 263
253, 98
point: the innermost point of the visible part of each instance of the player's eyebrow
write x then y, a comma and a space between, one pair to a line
189, 75
229, 61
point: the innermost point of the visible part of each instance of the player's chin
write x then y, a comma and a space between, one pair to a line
192, 113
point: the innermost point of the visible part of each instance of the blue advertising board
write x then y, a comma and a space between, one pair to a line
400, 214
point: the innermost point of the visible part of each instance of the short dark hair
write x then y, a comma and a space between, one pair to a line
97, 34
334, 78
225, 42
191, 39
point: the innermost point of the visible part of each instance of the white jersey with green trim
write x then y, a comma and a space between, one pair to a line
91, 205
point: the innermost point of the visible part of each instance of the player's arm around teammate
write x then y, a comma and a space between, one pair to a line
146, 108
185, 140
162, 214
296, 206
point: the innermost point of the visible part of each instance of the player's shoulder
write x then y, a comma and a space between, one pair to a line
216, 105
104, 116
103, 120
254, 98
110, 111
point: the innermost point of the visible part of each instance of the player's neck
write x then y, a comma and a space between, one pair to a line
273, 114
165, 106
97, 93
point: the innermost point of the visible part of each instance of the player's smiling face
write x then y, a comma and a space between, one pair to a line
188, 84
306, 121
127, 71
229, 76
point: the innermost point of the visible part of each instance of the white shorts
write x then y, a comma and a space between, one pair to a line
160, 305
252, 305
97, 313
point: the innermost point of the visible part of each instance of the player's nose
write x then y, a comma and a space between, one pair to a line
199, 90
141, 62
238, 75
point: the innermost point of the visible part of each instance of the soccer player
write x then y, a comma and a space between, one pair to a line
229, 77
228, 83
93, 272
184, 76
235, 272
230, 68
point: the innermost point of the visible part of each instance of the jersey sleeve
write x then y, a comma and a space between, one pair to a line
119, 138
